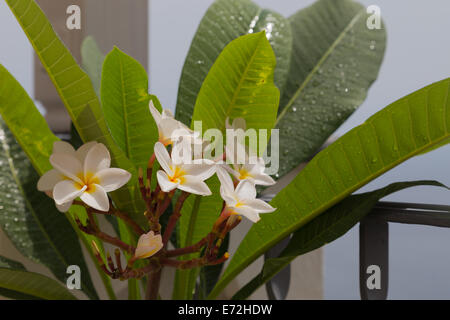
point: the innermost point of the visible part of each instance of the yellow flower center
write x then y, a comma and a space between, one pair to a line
89, 180
177, 176
243, 174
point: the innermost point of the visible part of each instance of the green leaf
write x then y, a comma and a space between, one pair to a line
33, 284
197, 219
225, 21
400, 131
30, 220
335, 59
92, 61
327, 227
78, 95
240, 84
26, 123
11, 294
124, 93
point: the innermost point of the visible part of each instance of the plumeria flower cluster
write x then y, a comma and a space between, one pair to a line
84, 177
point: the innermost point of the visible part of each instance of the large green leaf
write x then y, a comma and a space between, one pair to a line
400, 131
92, 61
33, 285
335, 59
34, 136
78, 95
30, 220
11, 294
327, 227
124, 93
240, 84
225, 21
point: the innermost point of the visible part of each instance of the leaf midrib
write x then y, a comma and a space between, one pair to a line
319, 64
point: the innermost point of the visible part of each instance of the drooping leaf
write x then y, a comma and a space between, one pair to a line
92, 61
124, 93
34, 136
335, 59
327, 227
225, 21
11, 294
30, 220
398, 132
33, 285
240, 84
78, 95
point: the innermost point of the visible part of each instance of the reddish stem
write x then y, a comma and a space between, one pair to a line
191, 249
174, 217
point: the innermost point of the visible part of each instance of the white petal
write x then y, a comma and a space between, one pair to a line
49, 180
64, 207
193, 185
259, 205
97, 159
225, 180
249, 213
148, 245
96, 198
155, 113
82, 151
246, 190
164, 182
63, 147
66, 191
227, 197
166, 128
113, 178
67, 165
227, 123
166, 113
163, 157
263, 179
202, 171
181, 152
235, 173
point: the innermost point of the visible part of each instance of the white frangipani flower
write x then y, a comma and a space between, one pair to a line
242, 200
148, 244
171, 130
83, 173
245, 167
180, 171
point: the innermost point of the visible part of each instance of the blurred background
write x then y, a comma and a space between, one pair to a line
417, 54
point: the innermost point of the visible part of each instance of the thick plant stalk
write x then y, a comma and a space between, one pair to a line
154, 280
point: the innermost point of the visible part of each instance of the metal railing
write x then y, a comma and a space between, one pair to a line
373, 245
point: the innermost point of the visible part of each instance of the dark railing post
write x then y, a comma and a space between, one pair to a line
278, 287
373, 258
